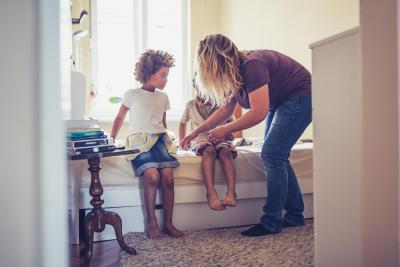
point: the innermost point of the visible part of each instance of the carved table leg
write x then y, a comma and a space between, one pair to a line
89, 232
97, 218
93, 219
114, 219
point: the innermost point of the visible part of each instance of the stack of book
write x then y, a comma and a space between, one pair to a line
86, 140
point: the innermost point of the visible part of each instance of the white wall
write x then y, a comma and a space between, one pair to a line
204, 20
398, 120
18, 116
286, 26
33, 230
368, 172
380, 184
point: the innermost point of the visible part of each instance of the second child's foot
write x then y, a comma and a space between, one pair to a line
172, 231
214, 202
153, 231
230, 200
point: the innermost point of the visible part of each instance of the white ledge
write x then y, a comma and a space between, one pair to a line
334, 37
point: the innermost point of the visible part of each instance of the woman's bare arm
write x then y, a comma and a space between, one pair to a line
259, 103
219, 116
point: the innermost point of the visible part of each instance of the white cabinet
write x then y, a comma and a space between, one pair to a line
337, 123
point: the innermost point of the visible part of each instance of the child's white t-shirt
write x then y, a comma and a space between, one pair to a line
146, 110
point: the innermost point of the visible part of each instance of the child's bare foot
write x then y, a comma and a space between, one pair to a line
172, 231
230, 200
214, 202
153, 231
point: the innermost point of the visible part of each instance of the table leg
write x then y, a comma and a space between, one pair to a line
97, 218
90, 222
114, 219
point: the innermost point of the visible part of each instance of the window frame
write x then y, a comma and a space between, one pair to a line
140, 33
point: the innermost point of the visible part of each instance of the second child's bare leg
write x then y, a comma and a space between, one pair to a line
225, 155
151, 181
167, 184
207, 166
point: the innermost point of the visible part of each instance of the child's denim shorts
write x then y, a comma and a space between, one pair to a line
156, 157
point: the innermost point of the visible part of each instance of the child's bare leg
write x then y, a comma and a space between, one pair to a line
207, 165
167, 184
225, 155
151, 180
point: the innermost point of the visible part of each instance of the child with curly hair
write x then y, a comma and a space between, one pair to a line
147, 107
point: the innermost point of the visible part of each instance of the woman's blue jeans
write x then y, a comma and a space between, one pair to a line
283, 127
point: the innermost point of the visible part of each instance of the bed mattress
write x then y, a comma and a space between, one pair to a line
117, 171
123, 190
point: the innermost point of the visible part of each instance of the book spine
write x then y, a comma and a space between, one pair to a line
89, 143
74, 135
88, 150
87, 137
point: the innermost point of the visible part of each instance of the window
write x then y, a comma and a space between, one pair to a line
121, 31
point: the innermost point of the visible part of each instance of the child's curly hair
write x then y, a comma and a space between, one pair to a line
150, 62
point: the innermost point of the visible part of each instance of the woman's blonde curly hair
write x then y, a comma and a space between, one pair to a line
218, 61
150, 62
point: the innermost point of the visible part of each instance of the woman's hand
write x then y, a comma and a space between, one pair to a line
187, 139
230, 137
218, 133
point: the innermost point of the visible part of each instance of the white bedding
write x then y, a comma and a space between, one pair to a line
117, 172
123, 193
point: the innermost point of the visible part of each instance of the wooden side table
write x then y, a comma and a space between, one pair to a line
97, 218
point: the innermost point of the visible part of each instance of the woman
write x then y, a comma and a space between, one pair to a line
274, 88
